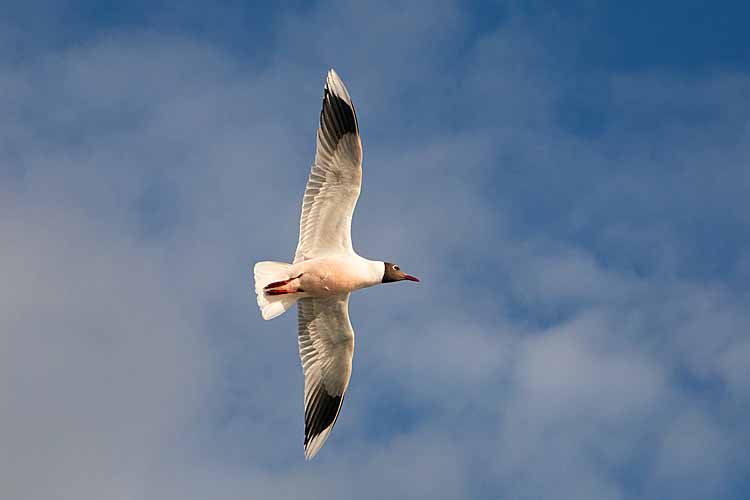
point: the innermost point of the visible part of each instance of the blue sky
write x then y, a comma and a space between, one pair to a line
569, 181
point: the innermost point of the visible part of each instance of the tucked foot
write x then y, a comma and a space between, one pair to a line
282, 287
277, 284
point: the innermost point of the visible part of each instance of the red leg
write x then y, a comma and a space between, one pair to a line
276, 284
281, 287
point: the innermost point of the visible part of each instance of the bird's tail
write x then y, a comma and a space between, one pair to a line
273, 273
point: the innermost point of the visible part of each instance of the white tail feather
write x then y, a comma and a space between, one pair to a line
269, 272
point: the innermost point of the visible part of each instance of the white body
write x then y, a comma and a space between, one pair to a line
326, 276
319, 277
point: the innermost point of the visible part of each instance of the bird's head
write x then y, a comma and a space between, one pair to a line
394, 273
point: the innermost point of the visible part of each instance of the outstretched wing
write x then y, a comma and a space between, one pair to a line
326, 346
335, 179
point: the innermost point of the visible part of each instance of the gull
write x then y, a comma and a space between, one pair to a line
326, 269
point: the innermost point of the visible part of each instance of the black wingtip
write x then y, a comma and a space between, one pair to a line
321, 414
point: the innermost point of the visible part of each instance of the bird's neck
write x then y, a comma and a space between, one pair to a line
374, 270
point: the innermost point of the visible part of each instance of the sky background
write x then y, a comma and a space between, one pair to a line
569, 180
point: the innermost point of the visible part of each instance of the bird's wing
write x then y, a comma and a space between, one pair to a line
326, 346
333, 186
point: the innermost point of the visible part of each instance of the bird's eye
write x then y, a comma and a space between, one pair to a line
396, 268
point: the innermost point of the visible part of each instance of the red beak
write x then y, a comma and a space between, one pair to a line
410, 278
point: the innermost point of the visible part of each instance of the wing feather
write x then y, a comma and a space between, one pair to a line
326, 347
335, 178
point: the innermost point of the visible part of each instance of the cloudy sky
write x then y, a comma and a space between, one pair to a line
570, 183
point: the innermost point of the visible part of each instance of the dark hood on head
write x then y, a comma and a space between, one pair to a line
390, 274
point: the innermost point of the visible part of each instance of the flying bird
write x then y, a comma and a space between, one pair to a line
326, 269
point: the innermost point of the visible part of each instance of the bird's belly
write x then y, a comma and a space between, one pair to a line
321, 284
326, 279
